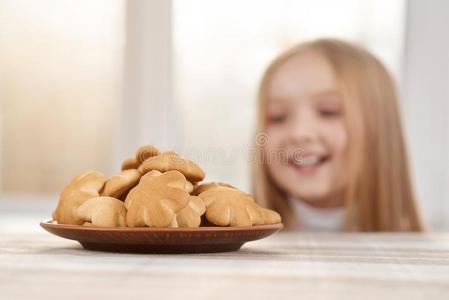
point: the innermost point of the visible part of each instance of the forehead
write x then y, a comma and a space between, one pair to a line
301, 75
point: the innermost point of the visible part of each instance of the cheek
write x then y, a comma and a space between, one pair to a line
337, 140
340, 139
275, 157
274, 138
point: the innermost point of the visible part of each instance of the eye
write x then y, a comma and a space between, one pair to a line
328, 113
277, 118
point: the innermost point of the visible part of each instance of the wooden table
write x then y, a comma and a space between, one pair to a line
301, 266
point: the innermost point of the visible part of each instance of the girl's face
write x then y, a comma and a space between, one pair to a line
307, 138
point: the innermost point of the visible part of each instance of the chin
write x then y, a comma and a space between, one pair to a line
314, 189
311, 196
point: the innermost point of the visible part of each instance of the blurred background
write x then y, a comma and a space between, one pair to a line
84, 83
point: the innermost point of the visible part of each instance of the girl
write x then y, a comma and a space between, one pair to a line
332, 157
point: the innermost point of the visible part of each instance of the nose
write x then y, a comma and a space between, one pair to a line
303, 128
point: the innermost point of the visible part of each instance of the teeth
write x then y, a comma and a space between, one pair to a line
309, 161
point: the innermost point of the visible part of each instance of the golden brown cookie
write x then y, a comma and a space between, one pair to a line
270, 216
145, 152
189, 187
230, 207
154, 173
170, 152
198, 189
168, 161
190, 216
130, 163
79, 190
121, 183
103, 212
156, 200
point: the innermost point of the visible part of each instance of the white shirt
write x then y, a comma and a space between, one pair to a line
313, 219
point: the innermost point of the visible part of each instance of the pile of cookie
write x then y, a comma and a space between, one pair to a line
157, 189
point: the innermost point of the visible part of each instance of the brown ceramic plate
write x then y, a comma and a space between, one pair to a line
161, 240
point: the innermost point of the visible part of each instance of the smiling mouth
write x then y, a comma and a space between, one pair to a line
308, 165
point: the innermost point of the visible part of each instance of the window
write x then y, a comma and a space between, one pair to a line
61, 67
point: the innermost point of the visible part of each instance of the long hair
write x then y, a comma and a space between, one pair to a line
379, 195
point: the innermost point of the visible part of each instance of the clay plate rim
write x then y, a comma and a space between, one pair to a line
161, 240
50, 223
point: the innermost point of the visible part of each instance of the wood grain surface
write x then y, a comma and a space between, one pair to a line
299, 266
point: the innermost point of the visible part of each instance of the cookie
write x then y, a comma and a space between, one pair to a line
130, 163
169, 161
79, 190
145, 152
230, 207
156, 200
270, 216
121, 183
188, 187
198, 189
103, 212
190, 216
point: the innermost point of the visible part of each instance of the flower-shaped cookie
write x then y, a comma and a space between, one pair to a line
190, 216
230, 207
141, 155
145, 152
198, 189
227, 206
157, 199
270, 216
79, 190
189, 187
168, 161
130, 163
120, 184
103, 212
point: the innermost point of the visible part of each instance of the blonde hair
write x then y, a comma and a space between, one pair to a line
379, 194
